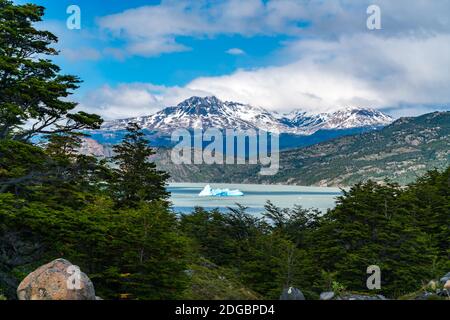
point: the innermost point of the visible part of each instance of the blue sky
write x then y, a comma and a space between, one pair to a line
138, 56
202, 56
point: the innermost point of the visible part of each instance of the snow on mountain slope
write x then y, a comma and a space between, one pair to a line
343, 119
351, 118
210, 112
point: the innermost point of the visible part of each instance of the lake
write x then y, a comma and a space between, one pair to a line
185, 197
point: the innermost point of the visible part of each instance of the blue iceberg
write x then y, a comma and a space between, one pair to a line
209, 192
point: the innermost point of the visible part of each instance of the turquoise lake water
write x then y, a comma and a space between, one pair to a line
185, 197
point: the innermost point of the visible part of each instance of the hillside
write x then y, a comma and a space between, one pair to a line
401, 151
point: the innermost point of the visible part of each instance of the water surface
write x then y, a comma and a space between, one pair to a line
185, 196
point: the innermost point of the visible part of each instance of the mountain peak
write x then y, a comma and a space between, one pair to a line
197, 101
201, 105
359, 110
210, 112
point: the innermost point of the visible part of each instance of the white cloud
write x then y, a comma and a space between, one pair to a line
155, 47
360, 70
133, 100
159, 26
235, 52
155, 29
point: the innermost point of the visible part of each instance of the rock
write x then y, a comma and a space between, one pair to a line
52, 282
292, 294
327, 295
447, 285
443, 293
445, 278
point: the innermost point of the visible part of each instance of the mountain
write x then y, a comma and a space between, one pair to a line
348, 118
210, 112
401, 151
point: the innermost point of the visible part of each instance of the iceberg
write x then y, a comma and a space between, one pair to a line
209, 192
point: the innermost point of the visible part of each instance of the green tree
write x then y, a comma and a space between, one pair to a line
296, 223
72, 179
428, 201
21, 164
155, 254
32, 92
370, 227
31, 89
210, 234
137, 178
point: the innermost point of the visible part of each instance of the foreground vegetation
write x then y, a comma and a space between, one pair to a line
405, 231
116, 223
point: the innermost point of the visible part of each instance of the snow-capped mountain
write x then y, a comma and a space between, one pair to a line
210, 112
304, 123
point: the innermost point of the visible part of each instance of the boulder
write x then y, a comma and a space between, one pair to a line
447, 285
327, 295
445, 278
292, 294
56, 280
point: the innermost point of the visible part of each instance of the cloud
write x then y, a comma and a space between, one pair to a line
235, 51
133, 100
156, 29
165, 23
357, 70
412, 110
155, 47
360, 70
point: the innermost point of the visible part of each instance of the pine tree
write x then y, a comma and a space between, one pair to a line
137, 178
